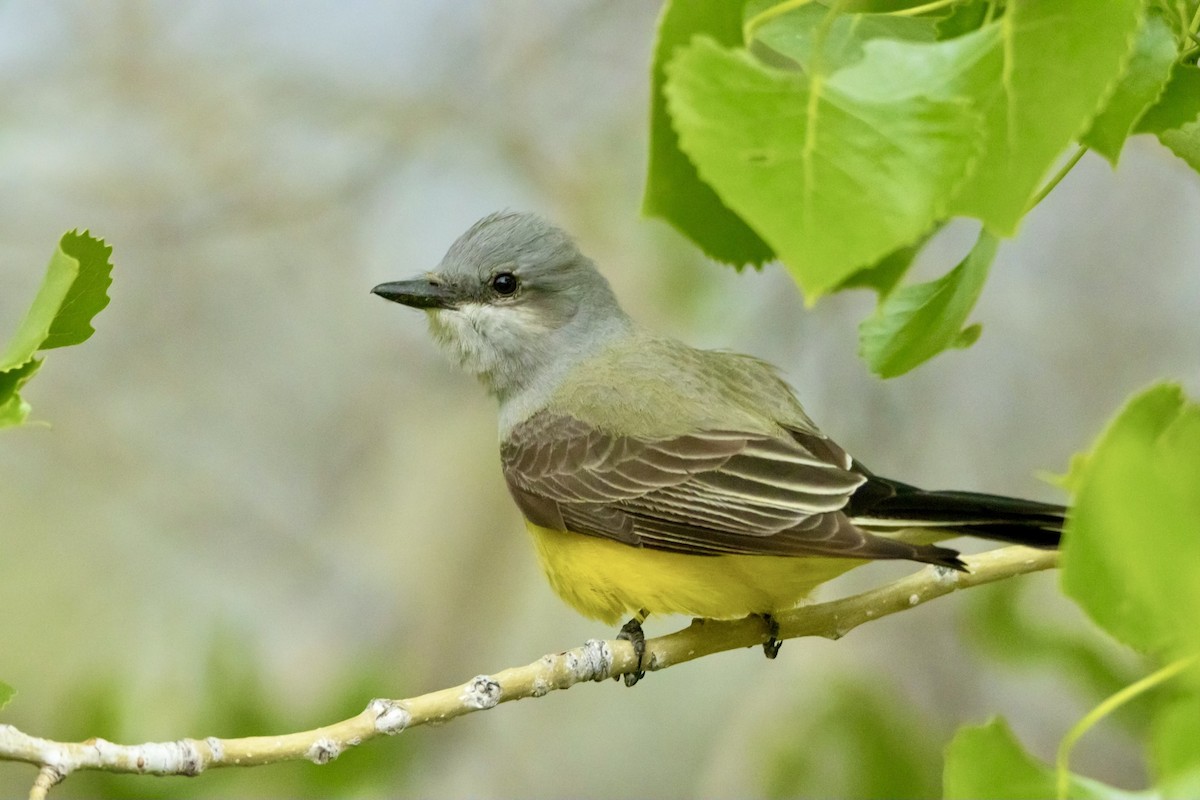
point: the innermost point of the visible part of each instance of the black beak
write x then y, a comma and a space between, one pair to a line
418, 293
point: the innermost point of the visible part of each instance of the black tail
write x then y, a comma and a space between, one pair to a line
881, 504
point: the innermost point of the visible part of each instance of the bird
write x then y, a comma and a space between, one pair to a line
656, 478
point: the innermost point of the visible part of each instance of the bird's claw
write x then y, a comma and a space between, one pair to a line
632, 632
772, 644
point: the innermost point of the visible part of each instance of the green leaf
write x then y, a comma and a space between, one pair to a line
674, 192
73, 291
14, 410
1069, 480
1185, 143
1176, 757
869, 6
1175, 118
6, 694
834, 172
1140, 86
1052, 65
885, 274
792, 35
1131, 553
1179, 104
963, 18
988, 761
88, 294
917, 322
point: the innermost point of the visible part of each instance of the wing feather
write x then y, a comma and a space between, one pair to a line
707, 492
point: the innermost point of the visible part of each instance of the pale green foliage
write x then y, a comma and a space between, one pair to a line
1176, 117
869, 142
1131, 559
14, 410
794, 35
1052, 63
988, 761
1185, 143
884, 275
1175, 737
673, 190
1177, 107
844, 135
1141, 85
919, 321
74, 290
836, 136
1132, 554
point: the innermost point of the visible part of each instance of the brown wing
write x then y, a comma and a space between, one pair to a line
708, 493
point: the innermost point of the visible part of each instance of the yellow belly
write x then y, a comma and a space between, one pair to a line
607, 580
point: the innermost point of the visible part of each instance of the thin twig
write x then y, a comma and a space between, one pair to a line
1062, 173
46, 780
595, 661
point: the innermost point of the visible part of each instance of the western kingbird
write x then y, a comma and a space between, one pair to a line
656, 478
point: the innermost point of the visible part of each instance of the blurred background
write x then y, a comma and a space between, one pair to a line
263, 498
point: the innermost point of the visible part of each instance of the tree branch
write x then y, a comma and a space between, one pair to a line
595, 661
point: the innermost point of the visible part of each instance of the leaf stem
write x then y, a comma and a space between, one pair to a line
913, 11
1104, 709
1062, 173
817, 62
752, 25
766, 15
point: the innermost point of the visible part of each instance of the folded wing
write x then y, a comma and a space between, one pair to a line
706, 493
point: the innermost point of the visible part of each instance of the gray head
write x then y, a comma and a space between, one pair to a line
514, 302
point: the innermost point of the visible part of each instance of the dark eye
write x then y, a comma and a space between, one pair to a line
505, 283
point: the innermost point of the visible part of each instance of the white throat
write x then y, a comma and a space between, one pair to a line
519, 359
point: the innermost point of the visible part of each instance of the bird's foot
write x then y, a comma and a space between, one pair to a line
772, 644
632, 632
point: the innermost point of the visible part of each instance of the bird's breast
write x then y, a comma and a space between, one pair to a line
607, 580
